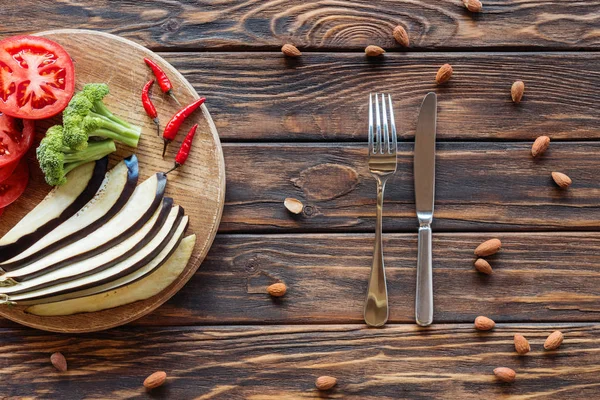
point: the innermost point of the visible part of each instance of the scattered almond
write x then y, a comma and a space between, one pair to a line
444, 73
293, 205
521, 344
483, 266
516, 91
374, 51
401, 36
484, 323
325, 382
540, 145
277, 289
561, 179
473, 5
505, 374
155, 380
290, 50
488, 248
554, 340
59, 361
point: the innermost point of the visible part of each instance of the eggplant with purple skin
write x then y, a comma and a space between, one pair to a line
114, 192
59, 205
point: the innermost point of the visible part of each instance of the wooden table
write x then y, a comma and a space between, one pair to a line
297, 128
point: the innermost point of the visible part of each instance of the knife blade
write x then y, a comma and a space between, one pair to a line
424, 180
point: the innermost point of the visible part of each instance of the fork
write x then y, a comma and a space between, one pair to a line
382, 164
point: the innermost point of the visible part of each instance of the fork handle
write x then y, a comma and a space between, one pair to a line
376, 305
424, 296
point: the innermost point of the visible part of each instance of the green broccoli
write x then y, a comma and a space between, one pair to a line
57, 160
87, 116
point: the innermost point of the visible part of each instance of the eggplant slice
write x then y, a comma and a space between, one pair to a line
114, 192
59, 205
140, 208
144, 261
145, 288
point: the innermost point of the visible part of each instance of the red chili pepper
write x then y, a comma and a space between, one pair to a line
175, 123
184, 150
162, 78
148, 106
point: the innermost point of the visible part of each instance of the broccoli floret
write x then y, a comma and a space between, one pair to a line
57, 160
87, 116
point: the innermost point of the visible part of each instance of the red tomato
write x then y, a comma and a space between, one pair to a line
15, 185
7, 171
37, 78
16, 137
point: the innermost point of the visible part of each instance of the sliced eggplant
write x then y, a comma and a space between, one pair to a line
114, 192
145, 288
143, 262
58, 206
140, 208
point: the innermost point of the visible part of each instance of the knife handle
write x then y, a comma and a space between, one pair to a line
424, 296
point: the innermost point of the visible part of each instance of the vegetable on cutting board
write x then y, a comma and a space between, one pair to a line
140, 290
184, 150
38, 78
163, 80
177, 120
16, 137
59, 205
13, 186
113, 193
149, 106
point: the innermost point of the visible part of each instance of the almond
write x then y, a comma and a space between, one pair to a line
293, 205
561, 179
325, 382
473, 5
444, 73
401, 36
277, 289
516, 91
554, 340
484, 323
505, 374
521, 344
483, 266
540, 145
290, 50
374, 51
59, 361
488, 248
155, 380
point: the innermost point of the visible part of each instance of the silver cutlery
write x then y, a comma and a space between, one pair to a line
382, 164
424, 175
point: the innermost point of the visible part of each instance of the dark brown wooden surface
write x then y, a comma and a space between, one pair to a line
298, 128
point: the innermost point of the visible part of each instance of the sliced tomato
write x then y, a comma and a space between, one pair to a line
16, 137
6, 172
37, 78
15, 185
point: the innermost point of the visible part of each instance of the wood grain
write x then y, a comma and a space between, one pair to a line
324, 97
198, 187
259, 24
398, 362
479, 187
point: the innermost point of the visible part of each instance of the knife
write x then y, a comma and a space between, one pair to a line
424, 175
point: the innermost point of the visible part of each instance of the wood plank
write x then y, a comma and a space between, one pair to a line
324, 97
537, 277
237, 24
443, 361
479, 187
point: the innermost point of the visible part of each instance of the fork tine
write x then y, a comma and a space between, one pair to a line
371, 148
393, 124
386, 131
378, 143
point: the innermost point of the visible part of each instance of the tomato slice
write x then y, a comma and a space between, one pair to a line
37, 78
16, 137
15, 185
6, 172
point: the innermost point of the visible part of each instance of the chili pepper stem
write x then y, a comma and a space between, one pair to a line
170, 93
165, 148
157, 123
177, 165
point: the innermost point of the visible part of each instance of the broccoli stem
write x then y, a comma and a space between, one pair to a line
94, 151
112, 130
101, 109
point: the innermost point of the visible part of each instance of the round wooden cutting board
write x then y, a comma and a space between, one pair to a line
199, 186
